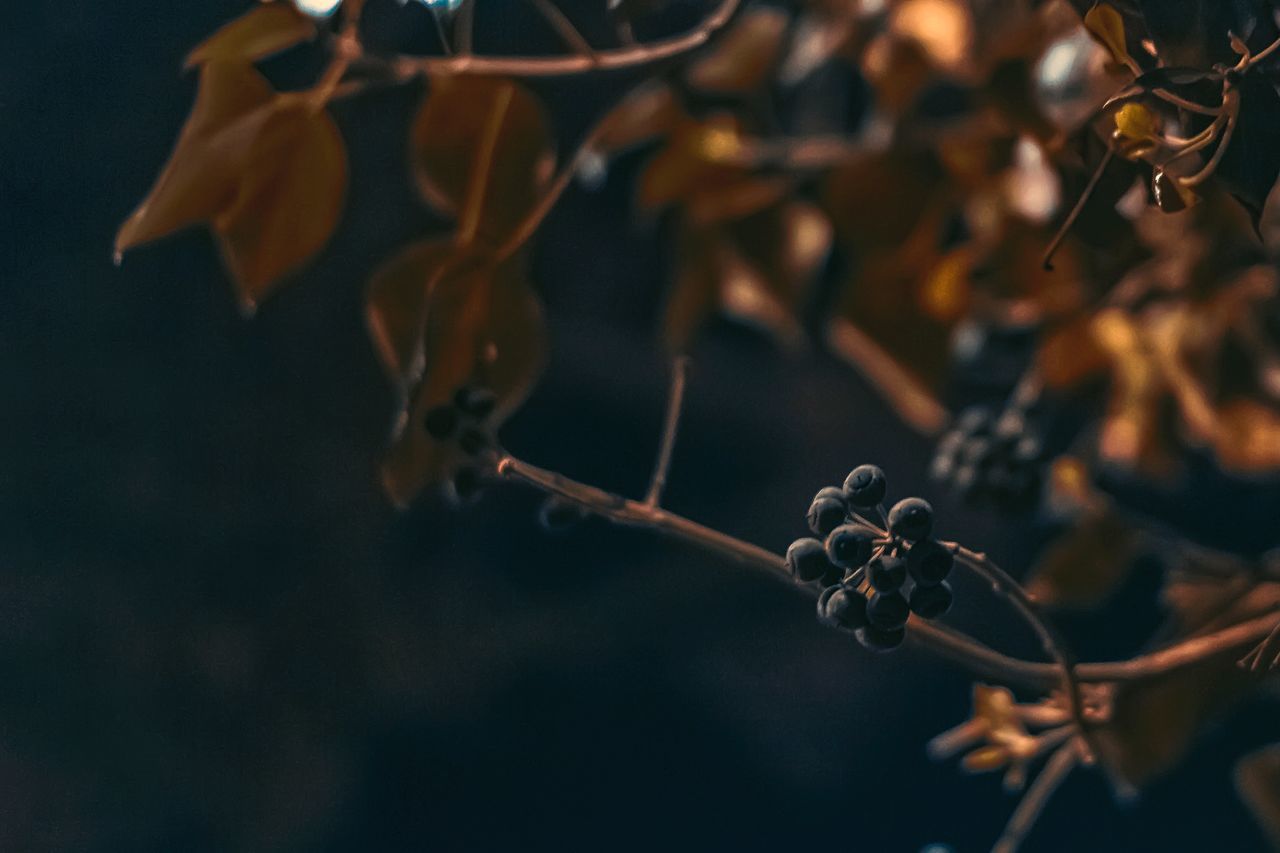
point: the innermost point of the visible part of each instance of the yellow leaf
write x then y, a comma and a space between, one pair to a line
985, 759
482, 152
397, 306
267, 29
1106, 26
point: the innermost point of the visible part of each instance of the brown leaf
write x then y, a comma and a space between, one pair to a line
397, 306
695, 294
1247, 437
1086, 564
482, 151
744, 56
266, 29
288, 200
700, 162
648, 112
200, 178
481, 324
267, 172
1258, 781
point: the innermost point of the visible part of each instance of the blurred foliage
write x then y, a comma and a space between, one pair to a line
907, 184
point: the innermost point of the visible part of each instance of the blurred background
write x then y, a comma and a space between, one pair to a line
216, 634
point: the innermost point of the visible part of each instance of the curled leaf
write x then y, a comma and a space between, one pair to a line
1106, 25
742, 59
264, 30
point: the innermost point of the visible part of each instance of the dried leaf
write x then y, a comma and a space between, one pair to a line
699, 160
264, 30
744, 56
199, 179
647, 113
482, 152
288, 201
1258, 781
1247, 436
1106, 25
695, 294
482, 324
397, 306
1086, 564
267, 172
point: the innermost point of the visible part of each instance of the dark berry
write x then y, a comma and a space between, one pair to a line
557, 514
977, 451
827, 512
865, 486
441, 422
929, 562
887, 572
842, 607
476, 401
807, 560
833, 575
849, 545
911, 519
1028, 449
1010, 427
466, 485
930, 602
879, 639
472, 440
888, 610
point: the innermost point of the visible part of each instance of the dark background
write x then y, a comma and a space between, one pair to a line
215, 634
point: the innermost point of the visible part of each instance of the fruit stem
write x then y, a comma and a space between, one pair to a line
670, 426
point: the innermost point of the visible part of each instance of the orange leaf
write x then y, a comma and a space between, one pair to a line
199, 179
482, 152
742, 59
288, 201
397, 306
481, 324
267, 29
265, 171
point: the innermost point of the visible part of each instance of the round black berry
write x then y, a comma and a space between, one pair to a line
887, 572
827, 512
880, 639
842, 607
865, 486
930, 602
440, 422
473, 440
911, 519
466, 485
557, 515
807, 560
888, 610
833, 575
476, 401
975, 420
929, 562
849, 545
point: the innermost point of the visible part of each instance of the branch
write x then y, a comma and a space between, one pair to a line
670, 425
564, 28
630, 56
977, 657
1056, 769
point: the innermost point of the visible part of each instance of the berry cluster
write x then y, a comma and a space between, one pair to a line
872, 580
464, 422
985, 456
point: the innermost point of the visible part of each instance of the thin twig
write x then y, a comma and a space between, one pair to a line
1047, 261
629, 56
670, 426
980, 659
464, 29
1003, 584
564, 27
1056, 769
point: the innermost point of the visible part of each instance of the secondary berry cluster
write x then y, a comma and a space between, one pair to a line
993, 457
872, 580
464, 423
